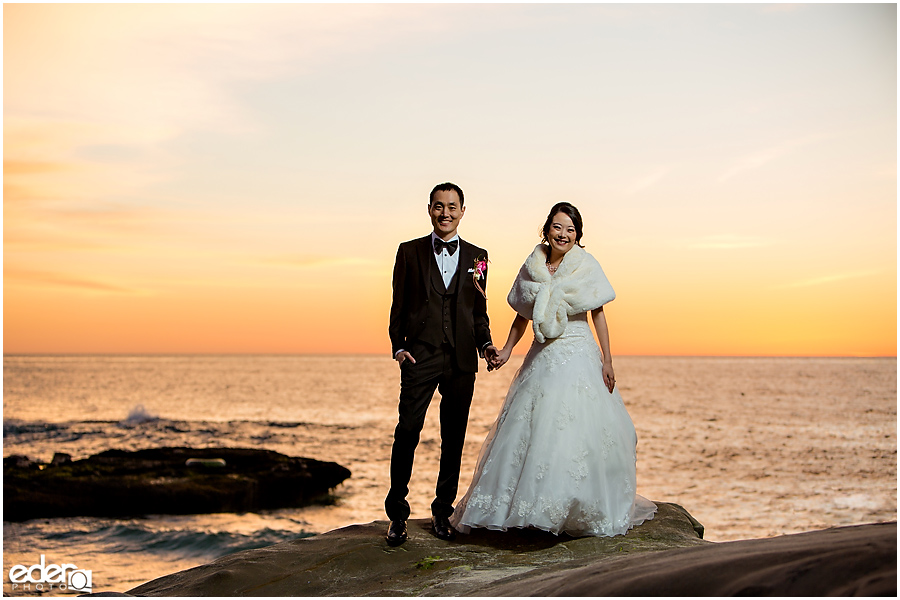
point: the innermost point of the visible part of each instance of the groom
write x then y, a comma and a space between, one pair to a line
438, 328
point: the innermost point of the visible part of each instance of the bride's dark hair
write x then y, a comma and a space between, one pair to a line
572, 212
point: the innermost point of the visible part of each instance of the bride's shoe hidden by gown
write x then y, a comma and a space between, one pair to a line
561, 455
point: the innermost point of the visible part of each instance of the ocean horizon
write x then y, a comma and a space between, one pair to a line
522, 349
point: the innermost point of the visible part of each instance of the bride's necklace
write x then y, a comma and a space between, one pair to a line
551, 268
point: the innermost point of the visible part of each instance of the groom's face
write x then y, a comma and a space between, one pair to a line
445, 212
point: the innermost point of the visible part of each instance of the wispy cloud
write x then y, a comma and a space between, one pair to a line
31, 167
762, 157
106, 216
647, 181
146, 73
30, 241
314, 261
45, 225
829, 279
780, 8
62, 280
728, 242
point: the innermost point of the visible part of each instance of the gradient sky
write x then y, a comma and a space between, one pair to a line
236, 178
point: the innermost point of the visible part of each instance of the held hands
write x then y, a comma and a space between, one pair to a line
609, 376
490, 356
496, 358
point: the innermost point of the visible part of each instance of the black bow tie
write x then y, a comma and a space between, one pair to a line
450, 246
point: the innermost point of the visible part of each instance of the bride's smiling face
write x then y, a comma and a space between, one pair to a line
562, 233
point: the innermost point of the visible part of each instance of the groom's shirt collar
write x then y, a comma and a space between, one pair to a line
434, 236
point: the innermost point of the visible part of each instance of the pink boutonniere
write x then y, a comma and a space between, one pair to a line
478, 273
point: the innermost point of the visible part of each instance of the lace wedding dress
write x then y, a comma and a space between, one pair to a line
561, 455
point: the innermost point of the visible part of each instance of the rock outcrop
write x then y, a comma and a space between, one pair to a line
665, 556
356, 560
841, 561
119, 483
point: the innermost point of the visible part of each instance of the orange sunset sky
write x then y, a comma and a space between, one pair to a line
236, 178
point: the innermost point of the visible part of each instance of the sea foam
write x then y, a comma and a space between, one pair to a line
137, 416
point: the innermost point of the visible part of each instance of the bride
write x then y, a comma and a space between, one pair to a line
561, 455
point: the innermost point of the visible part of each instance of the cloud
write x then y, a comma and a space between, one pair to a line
762, 157
16, 194
96, 95
30, 241
154, 71
315, 261
70, 217
781, 8
830, 279
36, 223
31, 167
42, 165
728, 241
62, 280
648, 181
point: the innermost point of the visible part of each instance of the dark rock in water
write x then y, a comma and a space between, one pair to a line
19, 461
119, 483
61, 458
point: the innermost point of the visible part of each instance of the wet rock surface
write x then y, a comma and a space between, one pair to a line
356, 560
664, 556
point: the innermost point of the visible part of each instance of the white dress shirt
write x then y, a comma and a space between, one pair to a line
446, 262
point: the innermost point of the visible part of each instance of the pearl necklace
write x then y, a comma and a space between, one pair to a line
551, 268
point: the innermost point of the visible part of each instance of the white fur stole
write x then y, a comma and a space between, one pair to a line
579, 285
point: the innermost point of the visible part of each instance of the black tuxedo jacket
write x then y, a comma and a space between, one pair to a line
413, 291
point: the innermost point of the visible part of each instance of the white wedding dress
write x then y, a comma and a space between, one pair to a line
561, 455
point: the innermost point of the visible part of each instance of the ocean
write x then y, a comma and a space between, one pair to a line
752, 447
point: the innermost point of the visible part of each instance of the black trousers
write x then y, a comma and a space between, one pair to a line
435, 368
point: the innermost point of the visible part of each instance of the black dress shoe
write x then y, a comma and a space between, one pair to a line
442, 528
396, 534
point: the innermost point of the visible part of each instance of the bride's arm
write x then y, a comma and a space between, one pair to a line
516, 331
599, 319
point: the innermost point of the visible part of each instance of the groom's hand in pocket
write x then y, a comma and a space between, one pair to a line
402, 356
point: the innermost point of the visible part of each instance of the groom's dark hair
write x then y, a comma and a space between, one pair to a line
447, 187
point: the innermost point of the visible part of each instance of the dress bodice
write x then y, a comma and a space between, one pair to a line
577, 327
